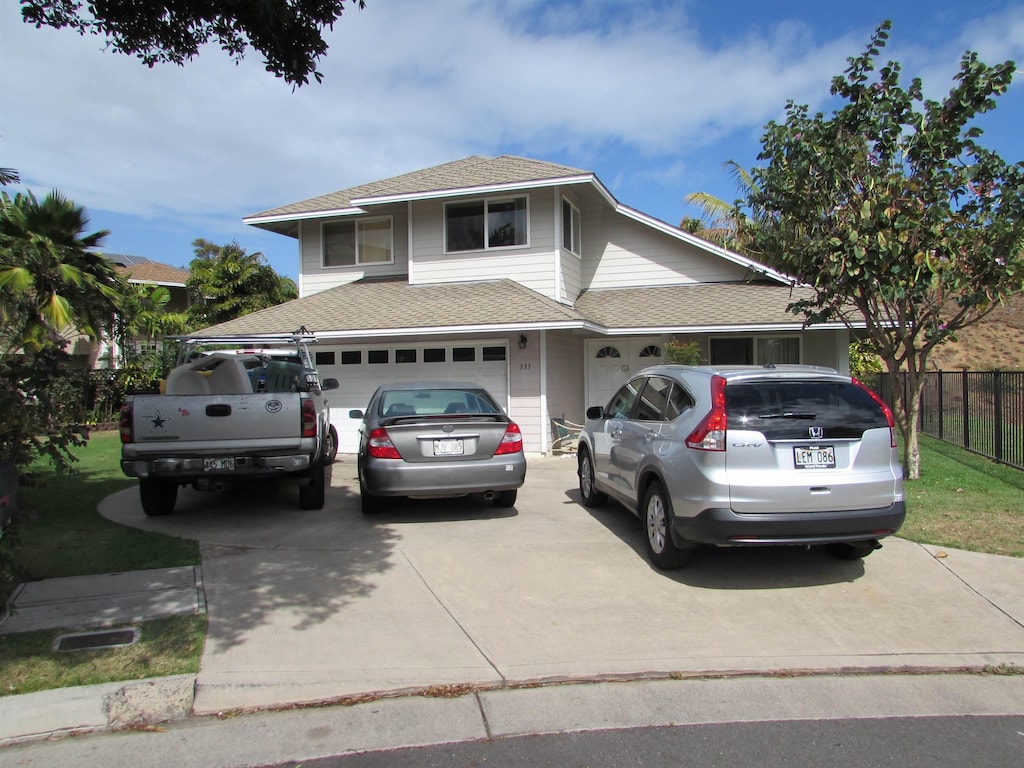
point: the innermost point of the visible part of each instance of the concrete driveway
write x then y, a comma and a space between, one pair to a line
329, 605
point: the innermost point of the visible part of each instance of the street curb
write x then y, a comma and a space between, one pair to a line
85, 709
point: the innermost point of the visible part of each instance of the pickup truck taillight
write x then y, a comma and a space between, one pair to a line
309, 421
125, 424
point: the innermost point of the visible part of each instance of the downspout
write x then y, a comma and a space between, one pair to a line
545, 419
409, 239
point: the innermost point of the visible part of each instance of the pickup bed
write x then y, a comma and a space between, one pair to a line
229, 416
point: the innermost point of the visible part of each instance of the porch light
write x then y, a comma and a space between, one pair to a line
522, 341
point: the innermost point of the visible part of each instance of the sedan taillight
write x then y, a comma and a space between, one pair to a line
379, 445
512, 441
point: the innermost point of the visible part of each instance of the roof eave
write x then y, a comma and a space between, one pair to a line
482, 189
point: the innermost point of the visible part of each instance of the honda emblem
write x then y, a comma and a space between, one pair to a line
816, 433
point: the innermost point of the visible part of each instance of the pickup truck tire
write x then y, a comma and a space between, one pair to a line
158, 496
331, 449
311, 494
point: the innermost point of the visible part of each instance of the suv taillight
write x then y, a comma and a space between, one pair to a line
885, 409
124, 423
512, 441
709, 435
379, 445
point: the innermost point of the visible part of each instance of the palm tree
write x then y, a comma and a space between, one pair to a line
720, 222
50, 279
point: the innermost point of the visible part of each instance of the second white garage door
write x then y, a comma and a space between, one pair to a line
361, 369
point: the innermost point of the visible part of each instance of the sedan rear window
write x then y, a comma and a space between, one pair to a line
784, 410
436, 402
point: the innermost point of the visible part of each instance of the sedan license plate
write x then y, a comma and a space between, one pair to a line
814, 456
449, 447
214, 465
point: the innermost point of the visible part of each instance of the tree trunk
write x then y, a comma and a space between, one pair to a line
906, 411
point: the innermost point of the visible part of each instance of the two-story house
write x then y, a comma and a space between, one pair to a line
525, 276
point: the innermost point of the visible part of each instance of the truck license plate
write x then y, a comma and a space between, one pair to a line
449, 447
814, 456
219, 464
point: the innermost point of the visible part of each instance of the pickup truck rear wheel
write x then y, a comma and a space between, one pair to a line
311, 494
331, 449
158, 496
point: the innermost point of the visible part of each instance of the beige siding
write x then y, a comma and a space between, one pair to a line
315, 277
565, 376
532, 266
524, 388
613, 246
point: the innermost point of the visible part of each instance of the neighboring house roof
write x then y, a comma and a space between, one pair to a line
392, 307
471, 174
384, 307
152, 272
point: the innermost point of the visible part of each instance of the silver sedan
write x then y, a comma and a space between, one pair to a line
430, 439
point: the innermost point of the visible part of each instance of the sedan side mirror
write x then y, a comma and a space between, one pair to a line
355, 413
595, 412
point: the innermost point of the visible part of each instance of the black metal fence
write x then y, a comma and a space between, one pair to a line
982, 411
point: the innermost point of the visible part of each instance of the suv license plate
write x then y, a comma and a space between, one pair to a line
213, 465
814, 456
448, 448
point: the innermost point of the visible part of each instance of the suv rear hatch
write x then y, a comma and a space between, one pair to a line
808, 445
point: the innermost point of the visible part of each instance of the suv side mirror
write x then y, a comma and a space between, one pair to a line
329, 384
595, 412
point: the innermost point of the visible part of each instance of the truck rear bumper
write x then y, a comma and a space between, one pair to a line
191, 467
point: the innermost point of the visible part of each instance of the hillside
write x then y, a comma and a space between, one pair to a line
997, 342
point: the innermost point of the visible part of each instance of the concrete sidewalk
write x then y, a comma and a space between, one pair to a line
441, 598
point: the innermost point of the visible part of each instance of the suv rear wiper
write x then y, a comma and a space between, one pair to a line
788, 415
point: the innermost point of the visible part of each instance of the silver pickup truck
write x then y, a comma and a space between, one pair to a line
232, 410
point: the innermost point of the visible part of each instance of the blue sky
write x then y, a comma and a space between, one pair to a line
651, 95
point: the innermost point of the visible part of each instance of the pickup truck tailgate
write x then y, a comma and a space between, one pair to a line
264, 418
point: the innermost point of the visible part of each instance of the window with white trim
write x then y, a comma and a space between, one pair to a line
571, 228
480, 225
358, 241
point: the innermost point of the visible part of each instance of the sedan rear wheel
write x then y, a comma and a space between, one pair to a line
657, 517
369, 503
505, 499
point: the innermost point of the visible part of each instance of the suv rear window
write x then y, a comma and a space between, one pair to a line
784, 410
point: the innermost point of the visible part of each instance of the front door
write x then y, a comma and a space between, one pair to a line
611, 361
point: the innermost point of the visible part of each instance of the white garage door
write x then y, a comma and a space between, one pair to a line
361, 369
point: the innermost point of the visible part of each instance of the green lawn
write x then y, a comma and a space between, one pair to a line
965, 501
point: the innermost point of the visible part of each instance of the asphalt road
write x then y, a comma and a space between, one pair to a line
928, 742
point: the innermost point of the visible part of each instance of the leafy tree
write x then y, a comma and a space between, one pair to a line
50, 279
287, 33
225, 282
49, 282
894, 213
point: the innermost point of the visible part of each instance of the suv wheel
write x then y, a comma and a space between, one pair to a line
657, 518
852, 550
588, 491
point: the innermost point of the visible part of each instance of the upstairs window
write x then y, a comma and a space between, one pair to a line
358, 241
485, 224
571, 228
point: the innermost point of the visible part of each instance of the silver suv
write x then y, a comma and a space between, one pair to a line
745, 455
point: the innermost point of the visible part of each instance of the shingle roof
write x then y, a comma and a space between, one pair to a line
467, 173
372, 305
692, 306
154, 272
382, 306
